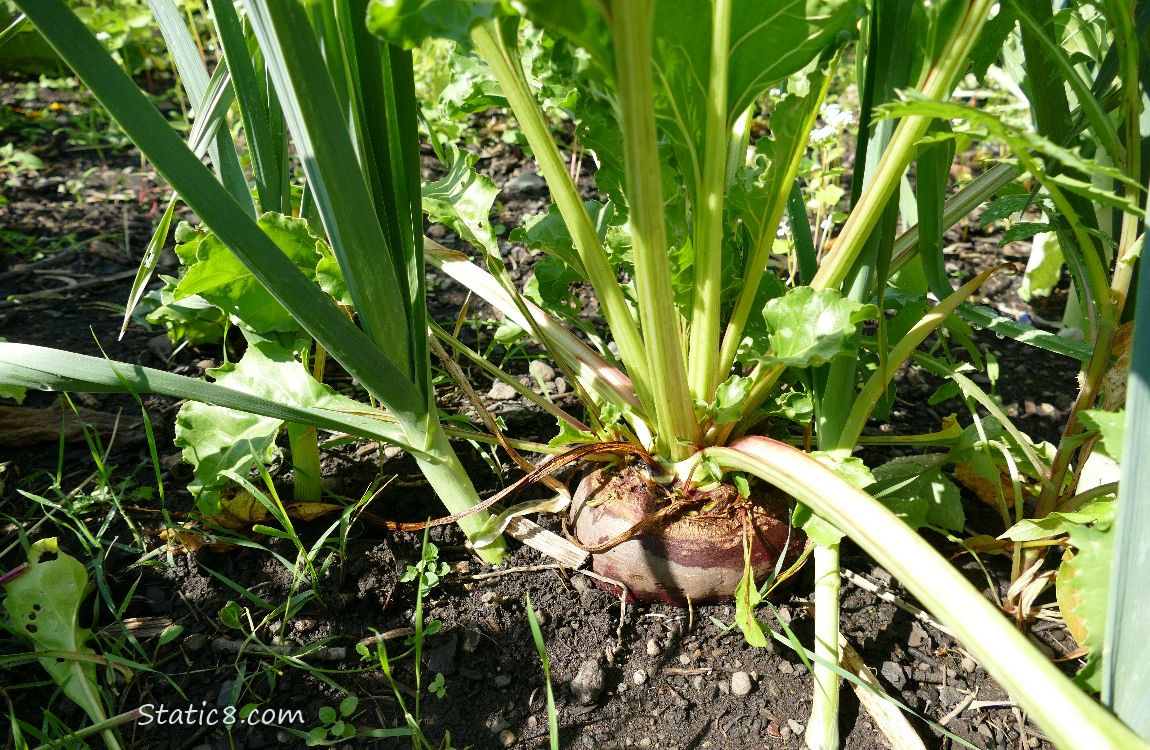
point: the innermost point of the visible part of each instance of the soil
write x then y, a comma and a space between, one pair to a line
672, 678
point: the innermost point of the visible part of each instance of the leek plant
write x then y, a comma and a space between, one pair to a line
347, 100
713, 350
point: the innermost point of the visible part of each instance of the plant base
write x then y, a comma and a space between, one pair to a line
695, 555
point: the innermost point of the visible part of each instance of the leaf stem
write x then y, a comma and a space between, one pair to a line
702, 372
678, 428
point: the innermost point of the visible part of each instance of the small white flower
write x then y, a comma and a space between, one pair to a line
828, 224
825, 133
784, 228
103, 36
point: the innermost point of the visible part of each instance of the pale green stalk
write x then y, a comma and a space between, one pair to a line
764, 245
938, 83
678, 429
702, 372
823, 728
502, 56
1069, 717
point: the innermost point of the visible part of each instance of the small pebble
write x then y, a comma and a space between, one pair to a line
639, 677
968, 664
507, 738
587, 685
697, 682
498, 724
196, 642
684, 659
741, 683
501, 391
502, 680
795, 726
532, 722
724, 687
653, 647
540, 369
645, 742
894, 674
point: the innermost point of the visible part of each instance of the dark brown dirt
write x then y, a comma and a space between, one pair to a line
670, 675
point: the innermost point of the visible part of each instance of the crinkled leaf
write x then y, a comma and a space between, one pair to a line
218, 276
472, 87
1112, 427
192, 319
43, 606
918, 492
407, 23
1024, 230
548, 232
549, 287
462, 200
1057, 524
809, 327
1004, 207
729, 399
569, 434
850, 468
215, 439
1082, 586
756, 338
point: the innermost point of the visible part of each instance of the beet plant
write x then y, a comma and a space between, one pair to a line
738, 368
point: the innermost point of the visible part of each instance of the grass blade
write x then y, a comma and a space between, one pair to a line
552, 715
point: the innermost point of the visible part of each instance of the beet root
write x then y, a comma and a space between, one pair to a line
695, 554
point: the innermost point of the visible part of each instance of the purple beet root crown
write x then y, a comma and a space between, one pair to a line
695, 556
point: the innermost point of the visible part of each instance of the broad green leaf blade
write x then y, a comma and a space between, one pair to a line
809, 328
201, 192
43, 605
216, 440
216, 274
38, 367
919, 493
324, 145
462, 200
1112, 429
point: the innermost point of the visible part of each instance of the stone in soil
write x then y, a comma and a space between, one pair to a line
741, 683
501, 391
587, 685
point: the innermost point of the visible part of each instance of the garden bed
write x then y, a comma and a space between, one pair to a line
671, 678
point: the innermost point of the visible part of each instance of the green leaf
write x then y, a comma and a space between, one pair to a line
809, 327
918, 492
819, 530
549, 233
1024, 230
549, 287
729, 399
407, 23
215, 439
850, 468
215, 274
327, 715
348, 705
1044, 267
230, 615
462, 200
747, 597
1111, 426
1057, 524
1082, 586
1004, 208
43, 605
